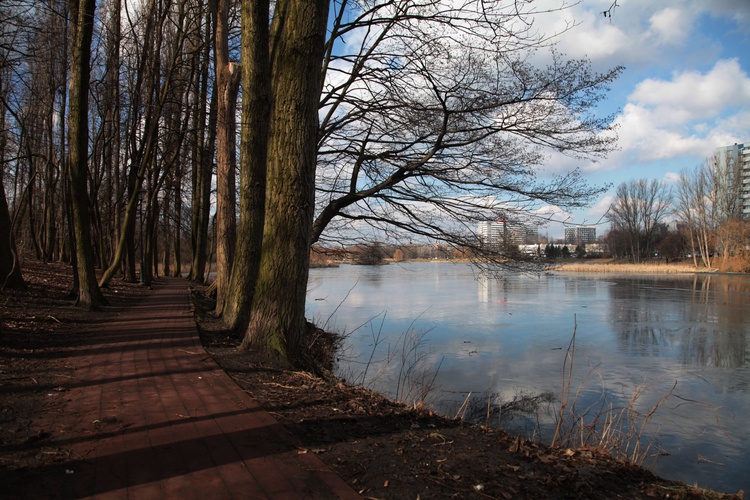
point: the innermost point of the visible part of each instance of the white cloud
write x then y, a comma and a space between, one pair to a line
593, 38
733, 128
672, 177
688, 115
601, 206
692, 95
642, 31
671, 25
643, 138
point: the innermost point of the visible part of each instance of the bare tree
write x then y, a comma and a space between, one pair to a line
441, 117
694, 208
155, 77
709, 206
726, 178
637, 210
437, 119
10, 267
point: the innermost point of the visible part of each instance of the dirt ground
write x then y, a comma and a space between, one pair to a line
383, 449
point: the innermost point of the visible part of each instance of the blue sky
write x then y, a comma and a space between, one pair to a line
685, 89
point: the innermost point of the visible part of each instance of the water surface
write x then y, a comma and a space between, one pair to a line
454, 330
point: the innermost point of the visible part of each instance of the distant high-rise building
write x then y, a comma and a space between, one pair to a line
735, 161
498, 235
532, 235
580, 235
490, 234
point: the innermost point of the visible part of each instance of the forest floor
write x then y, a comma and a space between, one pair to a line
382, 448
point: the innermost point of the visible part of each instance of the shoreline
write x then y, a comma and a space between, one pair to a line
581, 266
628, 268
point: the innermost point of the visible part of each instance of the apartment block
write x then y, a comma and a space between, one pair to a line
735, 160
580, 235
500, 234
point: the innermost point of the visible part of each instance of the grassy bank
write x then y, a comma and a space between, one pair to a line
622, 267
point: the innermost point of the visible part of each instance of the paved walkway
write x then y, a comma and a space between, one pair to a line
152, 416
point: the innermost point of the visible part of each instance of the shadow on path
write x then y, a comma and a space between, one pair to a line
148, 414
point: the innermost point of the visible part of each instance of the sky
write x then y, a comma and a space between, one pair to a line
685, 89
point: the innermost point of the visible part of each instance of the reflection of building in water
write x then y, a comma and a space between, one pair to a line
501, 234
491, 288
732, 163
580, 235
483, 288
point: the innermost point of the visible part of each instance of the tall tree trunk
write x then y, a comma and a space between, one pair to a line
51, 175
227, 84
82, 15
65, 233
277, 321
256, 108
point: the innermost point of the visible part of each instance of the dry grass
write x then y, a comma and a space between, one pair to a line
625, 267
623, 429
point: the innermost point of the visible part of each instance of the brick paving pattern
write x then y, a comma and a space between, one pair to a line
150, 415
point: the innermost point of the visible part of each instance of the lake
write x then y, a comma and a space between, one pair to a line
458, 338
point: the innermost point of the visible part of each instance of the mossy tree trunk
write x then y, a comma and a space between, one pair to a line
277, 315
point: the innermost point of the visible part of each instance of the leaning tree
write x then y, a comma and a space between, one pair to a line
442, 115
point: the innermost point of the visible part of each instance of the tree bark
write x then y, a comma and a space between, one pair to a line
144, 156
82, 15
227, 84
256, 107
277, 322
177, 231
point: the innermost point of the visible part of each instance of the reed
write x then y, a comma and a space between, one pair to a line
624, 429
625, 268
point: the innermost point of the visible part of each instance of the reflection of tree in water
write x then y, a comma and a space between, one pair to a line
634, 317
700, 320
713, 348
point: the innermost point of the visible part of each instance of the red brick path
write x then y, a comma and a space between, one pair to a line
150, 415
